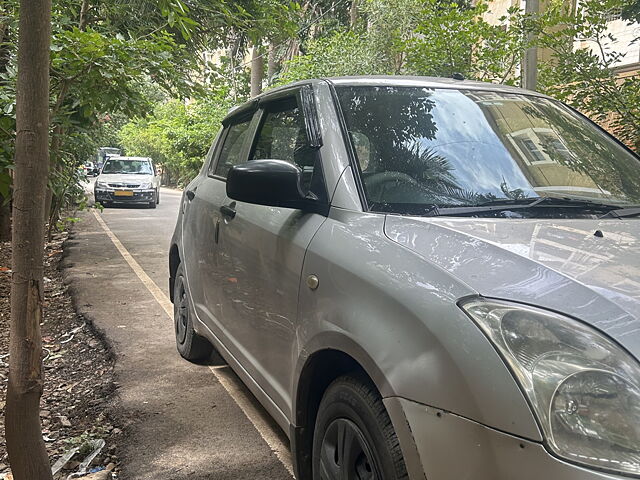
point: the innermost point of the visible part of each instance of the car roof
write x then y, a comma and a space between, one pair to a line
426, 82
385, 81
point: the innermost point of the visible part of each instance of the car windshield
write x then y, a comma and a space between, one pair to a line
423, 148
127, 166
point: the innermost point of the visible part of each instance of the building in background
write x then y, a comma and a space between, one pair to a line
621, 30
624, 34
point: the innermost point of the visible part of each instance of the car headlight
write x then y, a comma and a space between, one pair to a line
146, 185
584, 388
101, 185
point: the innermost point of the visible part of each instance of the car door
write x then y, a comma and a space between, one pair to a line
263, 249
200, 233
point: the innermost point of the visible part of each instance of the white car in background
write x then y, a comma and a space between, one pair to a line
128, 180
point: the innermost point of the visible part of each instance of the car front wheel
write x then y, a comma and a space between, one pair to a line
190, 345
353, 437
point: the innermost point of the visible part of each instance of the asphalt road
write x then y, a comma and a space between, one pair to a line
182, 421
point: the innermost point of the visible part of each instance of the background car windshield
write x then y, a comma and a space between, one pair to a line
127, 166
445, 147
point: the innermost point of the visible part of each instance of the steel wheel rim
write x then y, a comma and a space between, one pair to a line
345, 453
181, 313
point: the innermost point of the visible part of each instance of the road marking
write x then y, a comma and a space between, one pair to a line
157, 293
229, 381
218, 367
224, 375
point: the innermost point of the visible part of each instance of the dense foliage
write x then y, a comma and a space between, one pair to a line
176, 135
440, 38
586, 77
108, 65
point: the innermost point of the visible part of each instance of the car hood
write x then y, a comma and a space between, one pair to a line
588, 269
123, 178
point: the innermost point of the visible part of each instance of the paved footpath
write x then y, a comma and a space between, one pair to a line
183, 421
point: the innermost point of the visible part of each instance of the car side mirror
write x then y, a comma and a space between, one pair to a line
274, 183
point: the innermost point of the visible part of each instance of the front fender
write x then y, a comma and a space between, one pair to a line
397, 315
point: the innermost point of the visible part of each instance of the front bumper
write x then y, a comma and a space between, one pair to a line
442, 446
139, 196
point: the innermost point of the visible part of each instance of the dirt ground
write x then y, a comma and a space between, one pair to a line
79, 383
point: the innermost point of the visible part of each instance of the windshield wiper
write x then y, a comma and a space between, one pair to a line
417, 209
530, 202
623, 212
527, 203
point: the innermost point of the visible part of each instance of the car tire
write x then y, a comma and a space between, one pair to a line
191, 346
352, 408
152, 203
157, 197
105, 204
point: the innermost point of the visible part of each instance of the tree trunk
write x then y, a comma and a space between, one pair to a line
48, 201
26, 449
84, 9
272, 64
257, 71
54, 167
294, 49
353, 14
530, 60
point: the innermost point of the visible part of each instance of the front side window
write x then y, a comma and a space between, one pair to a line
424, 147
282, 136
142, 167
230, 155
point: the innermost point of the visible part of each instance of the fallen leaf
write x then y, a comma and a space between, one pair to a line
64, 421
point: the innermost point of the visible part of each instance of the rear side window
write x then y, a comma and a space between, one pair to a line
232, 148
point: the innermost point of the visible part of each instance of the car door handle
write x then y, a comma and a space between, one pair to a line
191, 194
227, 211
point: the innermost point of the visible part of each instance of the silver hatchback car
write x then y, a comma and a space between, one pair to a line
421, 278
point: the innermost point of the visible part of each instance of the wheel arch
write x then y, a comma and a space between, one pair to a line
332, 357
